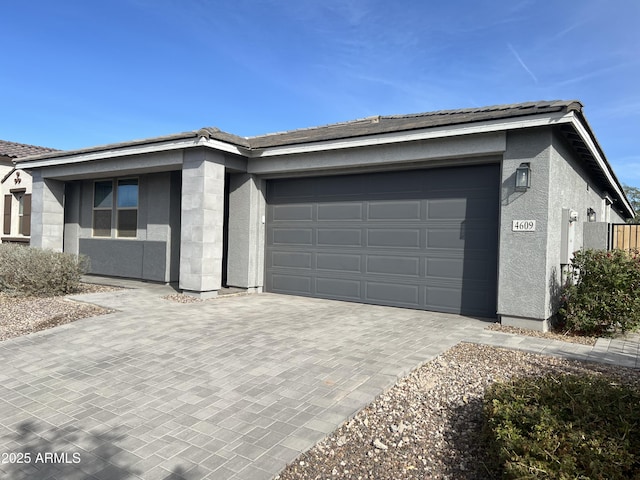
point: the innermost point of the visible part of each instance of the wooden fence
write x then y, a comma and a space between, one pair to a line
624, 236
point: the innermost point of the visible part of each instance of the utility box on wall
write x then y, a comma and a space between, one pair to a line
568, 235
595, 235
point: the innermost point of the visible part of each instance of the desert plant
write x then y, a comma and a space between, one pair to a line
603, 294
563, 427
33, 271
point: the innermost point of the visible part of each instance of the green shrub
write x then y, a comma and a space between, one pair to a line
604, 294
563, 427
32, 271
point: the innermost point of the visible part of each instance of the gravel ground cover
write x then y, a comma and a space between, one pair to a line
24, 315
428, 425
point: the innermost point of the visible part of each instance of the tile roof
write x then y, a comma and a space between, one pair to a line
18, 150
354, 128
397, 123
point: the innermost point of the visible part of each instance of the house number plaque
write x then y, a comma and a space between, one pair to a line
523, 226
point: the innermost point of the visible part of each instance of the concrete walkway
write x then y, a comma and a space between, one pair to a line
231, 388
623, 351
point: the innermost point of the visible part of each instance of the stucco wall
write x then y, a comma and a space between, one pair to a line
17, 179
245, 266
531, 263
396, 155
123, 165
616, 217
522, 272
570, 188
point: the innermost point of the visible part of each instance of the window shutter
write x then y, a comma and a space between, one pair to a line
7, 214
25, 225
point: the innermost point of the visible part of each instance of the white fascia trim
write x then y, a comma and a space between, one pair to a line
132, 150
223, 146
488, 126
602, 163
111, 153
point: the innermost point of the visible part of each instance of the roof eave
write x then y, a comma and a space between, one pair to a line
427, 133
583, 129
202, 137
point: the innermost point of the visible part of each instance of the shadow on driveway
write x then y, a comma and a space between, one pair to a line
48, 452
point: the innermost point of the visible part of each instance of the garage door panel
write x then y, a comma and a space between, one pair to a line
443, 267
447, 208
450, 238
395, 238
292, 213
481, 210
288, 283
293, 236
393, 265
341, 288
395, 184
478, 237
328, 188
438, 181
399, 210
291, 259
456, 268
339, 262
339, 237
339, 211
422, 239
444, 298
282, 191
386, 292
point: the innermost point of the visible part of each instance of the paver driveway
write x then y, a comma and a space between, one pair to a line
235, 387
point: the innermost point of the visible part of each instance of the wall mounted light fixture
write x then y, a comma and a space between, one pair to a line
591, 214
523, 177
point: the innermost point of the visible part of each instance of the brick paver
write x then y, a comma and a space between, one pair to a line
623, 351
234, 387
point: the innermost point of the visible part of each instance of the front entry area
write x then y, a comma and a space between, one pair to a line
424, 239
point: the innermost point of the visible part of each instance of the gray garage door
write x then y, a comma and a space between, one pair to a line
424, 239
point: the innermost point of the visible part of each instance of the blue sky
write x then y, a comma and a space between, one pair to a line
78, 73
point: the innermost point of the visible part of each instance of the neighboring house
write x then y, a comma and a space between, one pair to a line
15, 187
421, 211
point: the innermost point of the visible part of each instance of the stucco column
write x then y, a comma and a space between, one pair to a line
245, 262
523, 283
72, 218
202, 218
47, 213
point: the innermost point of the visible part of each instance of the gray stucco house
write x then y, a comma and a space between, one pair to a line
473, 211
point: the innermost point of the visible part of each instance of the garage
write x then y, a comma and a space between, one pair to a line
424, 239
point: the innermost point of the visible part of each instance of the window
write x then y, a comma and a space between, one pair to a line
20, 223
127, 207
102, 208
124, 200
24, 214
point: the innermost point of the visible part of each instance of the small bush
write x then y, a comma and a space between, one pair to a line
604, 294
32, 271
566, 427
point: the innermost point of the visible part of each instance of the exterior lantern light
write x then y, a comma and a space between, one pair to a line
591, 214
523, 177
